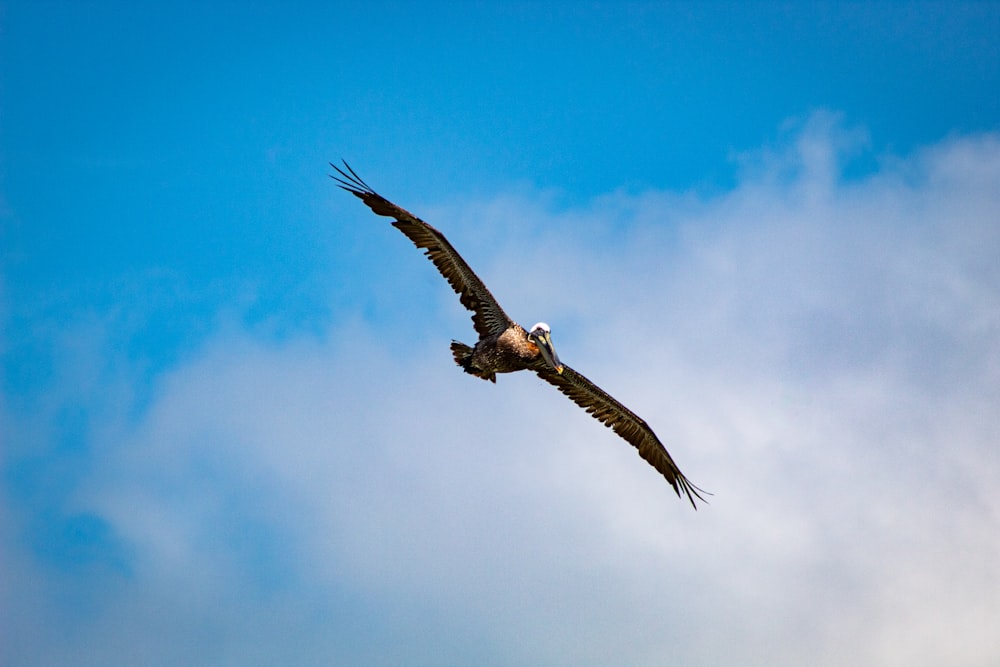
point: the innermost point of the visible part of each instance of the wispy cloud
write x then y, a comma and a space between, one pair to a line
822, 353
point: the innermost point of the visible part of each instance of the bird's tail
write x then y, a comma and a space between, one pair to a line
463, 357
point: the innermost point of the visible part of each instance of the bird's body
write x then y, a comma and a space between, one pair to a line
510, 350
504, 346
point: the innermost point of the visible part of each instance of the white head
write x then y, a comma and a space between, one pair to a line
540, 328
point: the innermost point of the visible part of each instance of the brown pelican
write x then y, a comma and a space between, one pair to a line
505, 346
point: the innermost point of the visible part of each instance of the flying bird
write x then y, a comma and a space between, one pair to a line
505, 346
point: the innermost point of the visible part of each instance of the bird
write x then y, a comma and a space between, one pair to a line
504, 346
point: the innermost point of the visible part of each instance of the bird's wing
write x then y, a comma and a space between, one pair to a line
624, 422
488, 317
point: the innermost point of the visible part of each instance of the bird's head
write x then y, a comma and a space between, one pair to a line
540, 335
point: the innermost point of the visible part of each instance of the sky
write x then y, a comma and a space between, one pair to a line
231, 430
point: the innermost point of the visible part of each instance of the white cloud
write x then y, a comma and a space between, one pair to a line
822, 354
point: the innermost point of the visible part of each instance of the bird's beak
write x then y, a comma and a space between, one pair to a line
549, 352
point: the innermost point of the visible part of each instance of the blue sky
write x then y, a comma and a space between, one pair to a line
231, 431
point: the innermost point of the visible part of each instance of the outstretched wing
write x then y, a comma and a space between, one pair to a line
488, 317
624, 422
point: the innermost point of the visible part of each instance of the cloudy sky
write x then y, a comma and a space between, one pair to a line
231, 431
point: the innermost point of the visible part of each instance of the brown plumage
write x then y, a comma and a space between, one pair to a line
505, 346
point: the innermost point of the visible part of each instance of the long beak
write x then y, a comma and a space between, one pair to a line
549, 352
